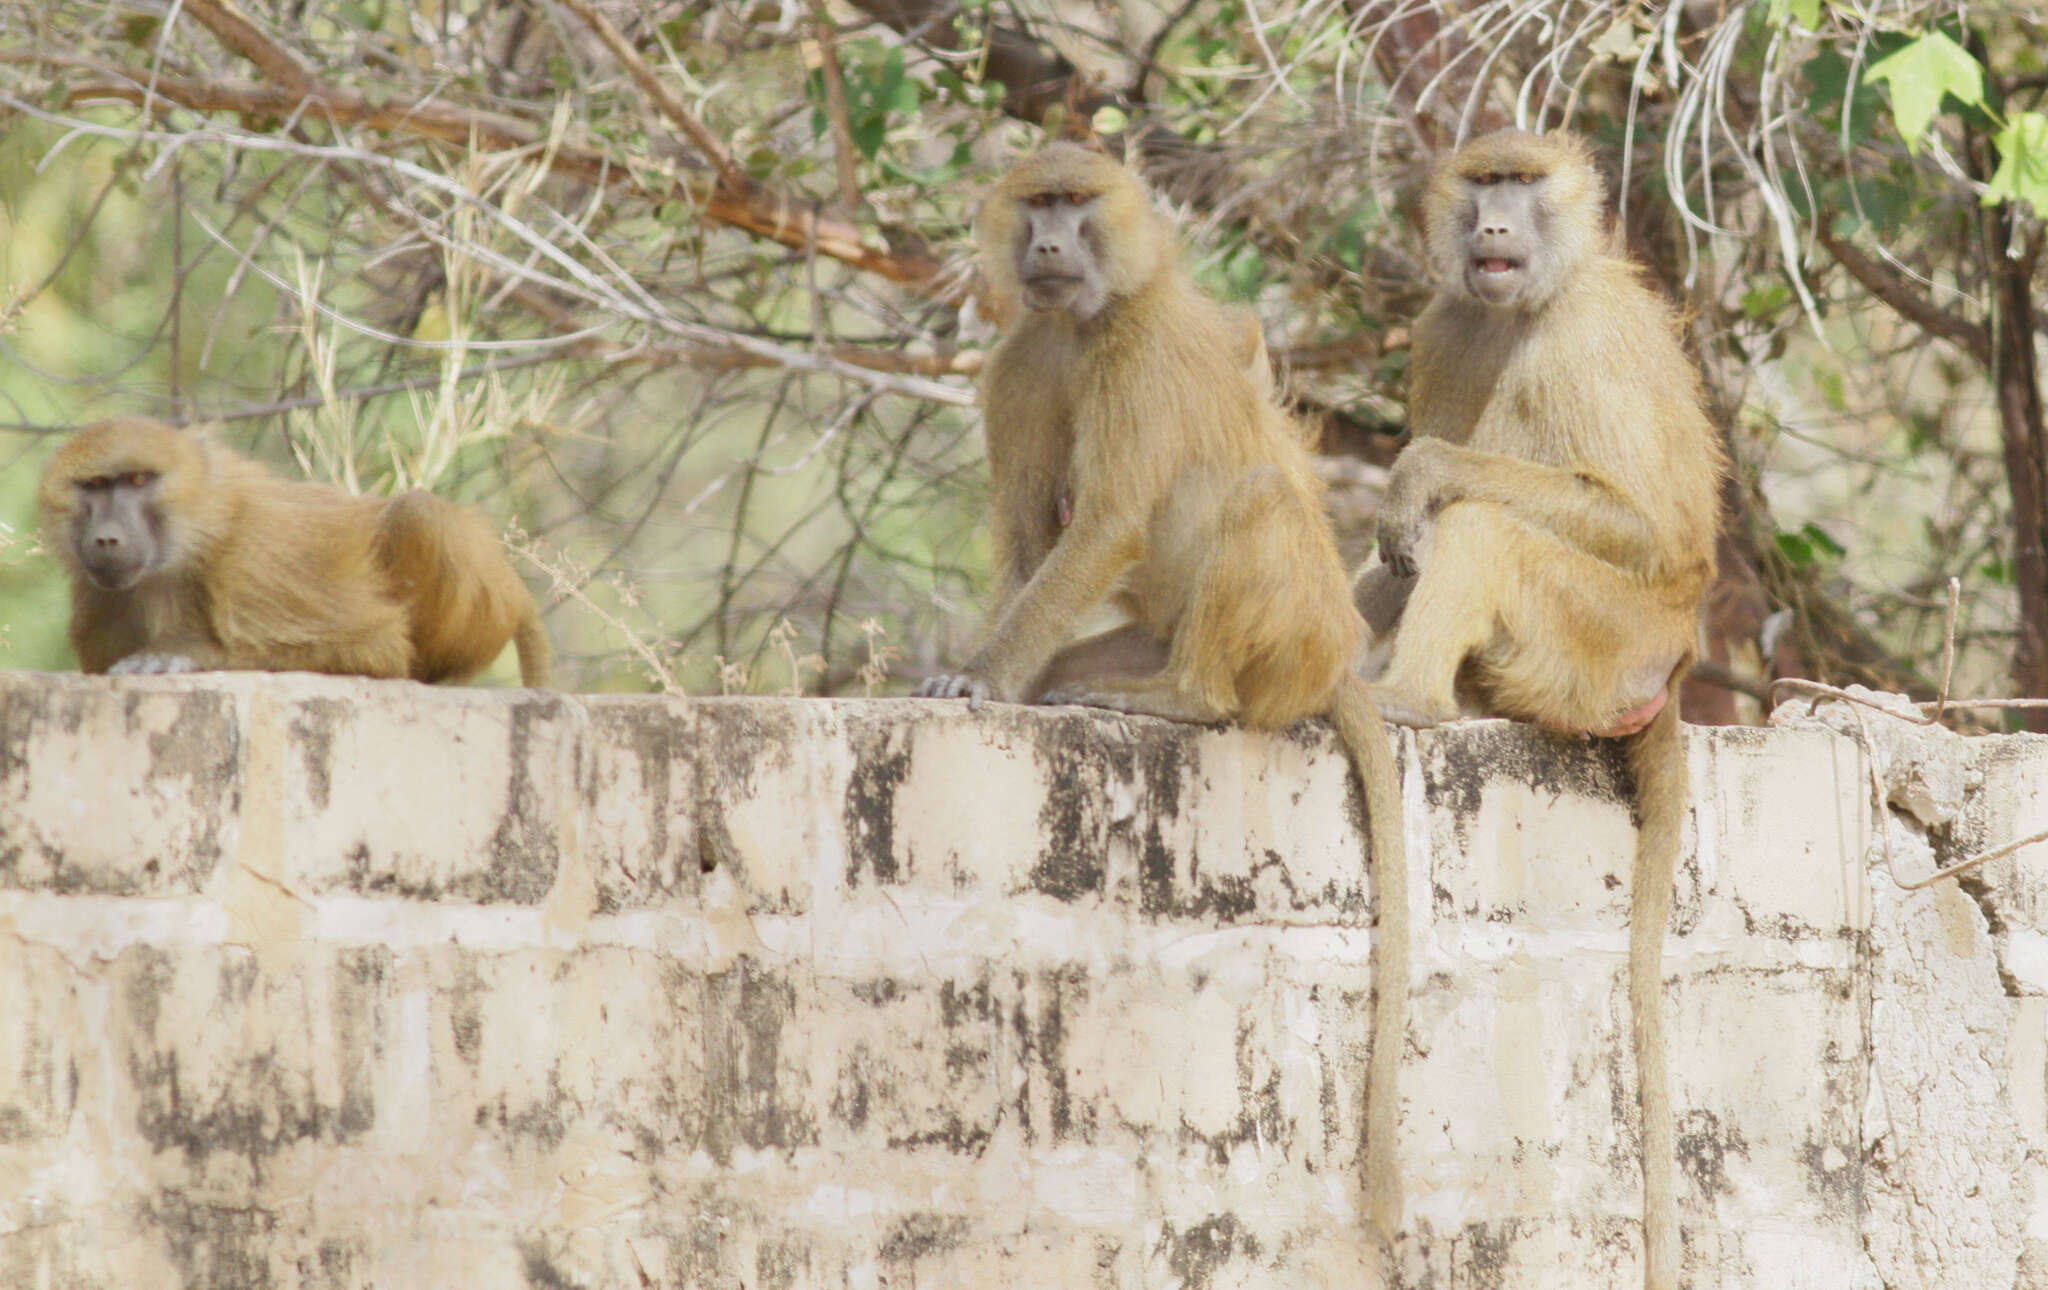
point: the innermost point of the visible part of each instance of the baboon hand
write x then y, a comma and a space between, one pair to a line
1402, 709
1414, 495
1401, 549
152, 665
974, 688
1081, 694
1405, 541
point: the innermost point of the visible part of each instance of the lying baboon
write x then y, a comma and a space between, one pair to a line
184, 556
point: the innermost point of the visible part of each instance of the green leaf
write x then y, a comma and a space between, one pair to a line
1810, 546
1796, 549
1920, 74
1765, 299
1822, 543
893, 90
1243, 271
1832, 389
2022, 162
1827, 77
1804, 12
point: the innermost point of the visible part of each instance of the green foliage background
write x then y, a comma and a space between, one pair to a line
714, 359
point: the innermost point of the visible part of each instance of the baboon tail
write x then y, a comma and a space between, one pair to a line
536, 667
1371, 748
1657, 758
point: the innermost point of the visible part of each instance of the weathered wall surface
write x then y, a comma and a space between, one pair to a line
344, 984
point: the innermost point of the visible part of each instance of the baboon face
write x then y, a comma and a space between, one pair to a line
1058, 254
116, 527
1068, 232
1505, 218
1511, 216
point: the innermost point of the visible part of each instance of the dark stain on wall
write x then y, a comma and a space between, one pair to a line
46, 1096
1197, 1254
1050, 1046
197, 758
261, 1101
313, 730
745, 1012
656, 739
701, 1255
1841, 1189
214, 1247
537, 1265
202, 747
331, 1267
1083, 756
544, 1123
1459, 764
881, 761
855, 1086
1704, 1145
526, 845
778, 1262
914, 1236
465, 997
736, 740
362, 976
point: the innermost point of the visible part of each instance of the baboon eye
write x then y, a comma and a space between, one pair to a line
1077, 198
138, 478
1523, 177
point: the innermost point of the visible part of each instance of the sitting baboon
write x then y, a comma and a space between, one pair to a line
1136, 456
1549, 533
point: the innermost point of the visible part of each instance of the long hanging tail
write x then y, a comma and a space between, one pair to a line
1657, 757
536, 656
1372, 753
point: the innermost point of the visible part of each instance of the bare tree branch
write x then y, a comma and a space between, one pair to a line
729, 173
243, 37
1889, 286
1035, 77
755, 207
835, 107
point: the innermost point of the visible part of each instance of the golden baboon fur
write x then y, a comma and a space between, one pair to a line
1558, 508
251, 571
1136, 455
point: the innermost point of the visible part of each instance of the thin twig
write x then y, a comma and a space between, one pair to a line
753, 207
1948, 644
835, 108
671, 107
242, 36
1926, 717
567, 586
1726, 677
1972, 338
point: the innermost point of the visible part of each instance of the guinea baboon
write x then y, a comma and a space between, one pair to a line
1136, 456
1549, 533
184, 556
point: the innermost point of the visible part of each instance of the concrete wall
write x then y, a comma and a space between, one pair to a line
327, 983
